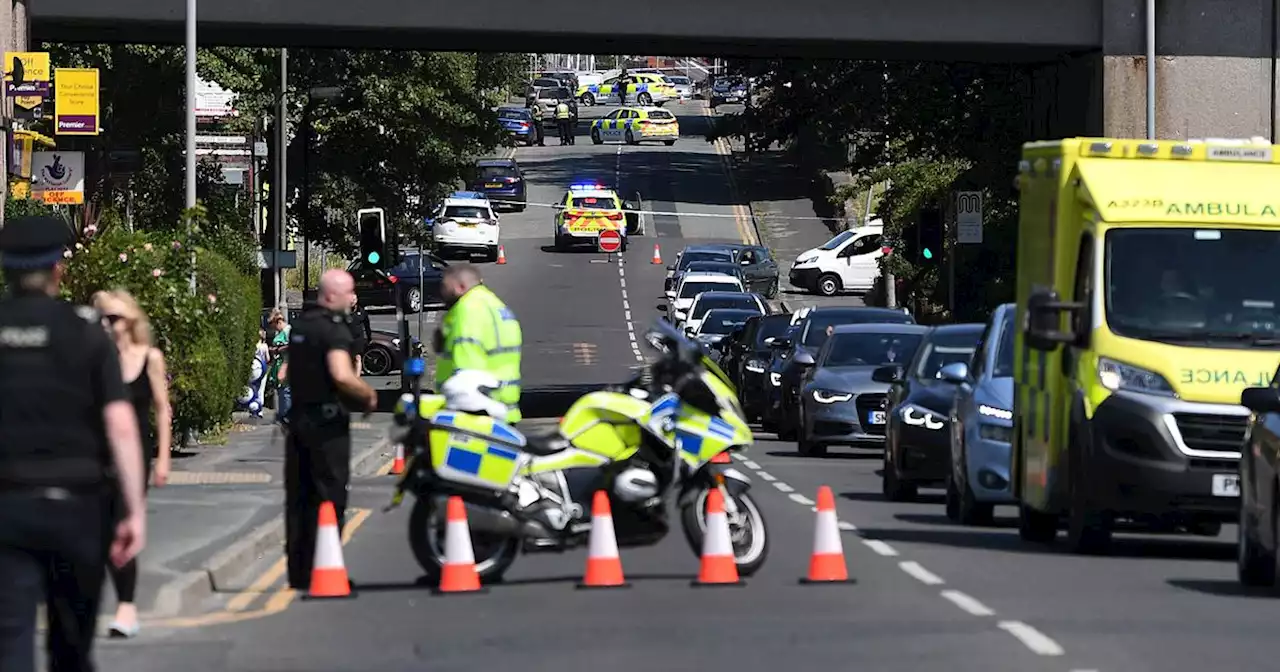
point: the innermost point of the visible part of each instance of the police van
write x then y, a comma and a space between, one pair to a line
850, 262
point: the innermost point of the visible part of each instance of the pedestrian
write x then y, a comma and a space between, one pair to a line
361, 333
478, 333
536, 110
69, 447
318, 450
623, 82
564, 123
146, 378
279, 349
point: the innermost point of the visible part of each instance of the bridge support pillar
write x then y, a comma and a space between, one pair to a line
1215, 69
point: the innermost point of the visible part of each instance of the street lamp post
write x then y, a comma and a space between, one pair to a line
314, 94
191, 123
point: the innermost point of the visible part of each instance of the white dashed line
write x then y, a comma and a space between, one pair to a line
800, 499
783, 486
766, 476
1033, 639
880, 547
626, 308
847, 527
750, 465
967, 603
917, 571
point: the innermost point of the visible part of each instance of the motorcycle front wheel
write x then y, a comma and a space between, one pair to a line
427, 523
747, 531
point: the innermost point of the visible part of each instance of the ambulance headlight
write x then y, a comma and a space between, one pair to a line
1117, 376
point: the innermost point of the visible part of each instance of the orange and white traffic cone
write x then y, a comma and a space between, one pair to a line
502, 255
397, 467
827, 565
328, 573
604, 566
459, 572
718, 565
657, 254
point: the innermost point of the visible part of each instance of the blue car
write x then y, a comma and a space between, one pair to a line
982, 425
502, 182
519, 124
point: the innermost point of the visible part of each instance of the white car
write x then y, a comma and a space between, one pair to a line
715, 299
847, 263
694, 284
466, 224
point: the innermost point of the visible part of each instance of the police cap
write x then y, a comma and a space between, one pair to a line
34, 241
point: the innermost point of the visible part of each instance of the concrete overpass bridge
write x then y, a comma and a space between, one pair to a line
1216, 70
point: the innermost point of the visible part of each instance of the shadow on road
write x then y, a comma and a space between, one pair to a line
829, 456
631, 578
941, 519
877, 497
1222, 588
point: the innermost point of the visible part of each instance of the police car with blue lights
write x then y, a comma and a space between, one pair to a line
466, 224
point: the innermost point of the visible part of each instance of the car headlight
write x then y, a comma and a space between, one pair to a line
806, 260
996, 433
830, 396
755, 365
775, 379
994, 412
395, 342
921, 417
681, 314
1119, 376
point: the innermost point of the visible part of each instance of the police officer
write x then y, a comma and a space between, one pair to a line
623, 81
478, 333
564, 122
536, 110
324, 383
69, 454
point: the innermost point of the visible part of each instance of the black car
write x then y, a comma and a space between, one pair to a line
382, 354
689, 255
719, 323
917, 447
746, 359
502, 182
1258, 538
401, 284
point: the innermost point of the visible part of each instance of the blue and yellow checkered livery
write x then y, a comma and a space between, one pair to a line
476, 450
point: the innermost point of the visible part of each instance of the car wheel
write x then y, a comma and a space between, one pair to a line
631, 139
829, 284
377, 361
1255, 565
668, 142
953, 500
973, 512
891, 486
644, 99
595, 137
412, 300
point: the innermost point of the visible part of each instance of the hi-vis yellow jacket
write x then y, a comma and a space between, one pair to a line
482, 334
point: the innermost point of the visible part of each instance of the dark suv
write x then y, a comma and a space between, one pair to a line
502, 181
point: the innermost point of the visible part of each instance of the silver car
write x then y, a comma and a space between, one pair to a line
684, 86
982, 425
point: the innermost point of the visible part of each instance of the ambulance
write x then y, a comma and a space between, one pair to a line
585, 211
1148, 298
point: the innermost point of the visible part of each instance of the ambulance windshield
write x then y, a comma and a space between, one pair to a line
1212, 287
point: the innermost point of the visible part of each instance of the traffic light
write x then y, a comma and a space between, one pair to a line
373, 237
931, 234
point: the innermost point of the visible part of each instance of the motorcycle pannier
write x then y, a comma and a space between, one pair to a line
476, 450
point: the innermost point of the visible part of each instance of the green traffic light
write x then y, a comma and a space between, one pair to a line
374, 257
928, 253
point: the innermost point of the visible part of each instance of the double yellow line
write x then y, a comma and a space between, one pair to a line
741, 213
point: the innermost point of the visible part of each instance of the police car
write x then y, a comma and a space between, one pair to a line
466, 224
585, 211
645, 88
634, 125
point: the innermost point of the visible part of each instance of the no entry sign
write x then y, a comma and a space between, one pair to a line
610, 241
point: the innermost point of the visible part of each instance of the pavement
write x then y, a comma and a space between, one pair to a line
929, 594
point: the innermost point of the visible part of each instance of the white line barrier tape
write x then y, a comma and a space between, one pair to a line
711, 215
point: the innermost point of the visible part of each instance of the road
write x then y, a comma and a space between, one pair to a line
929, 595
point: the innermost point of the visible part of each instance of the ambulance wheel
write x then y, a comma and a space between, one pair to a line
644, 99
829, 284
668, 142
587, 99
631, 139
595, 137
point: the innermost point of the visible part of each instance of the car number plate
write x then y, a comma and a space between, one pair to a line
876, 417
493, 185
1226, 485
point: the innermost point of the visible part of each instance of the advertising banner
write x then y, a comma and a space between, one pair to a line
75, 101
58, 177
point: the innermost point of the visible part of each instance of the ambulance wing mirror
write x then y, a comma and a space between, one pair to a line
1044, 320
1261, 399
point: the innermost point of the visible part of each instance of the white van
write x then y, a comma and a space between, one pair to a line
849, 262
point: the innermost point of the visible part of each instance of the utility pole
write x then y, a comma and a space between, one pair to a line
191, 126
280, 181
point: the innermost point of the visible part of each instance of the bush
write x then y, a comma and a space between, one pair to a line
206, 336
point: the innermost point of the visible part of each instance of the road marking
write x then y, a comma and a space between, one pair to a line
880, 547
919, 573
626, 306
766, 476
800, 499
783, 486
847, 527
750, 465
967, 603
1033, 639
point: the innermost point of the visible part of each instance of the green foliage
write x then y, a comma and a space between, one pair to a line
202, 334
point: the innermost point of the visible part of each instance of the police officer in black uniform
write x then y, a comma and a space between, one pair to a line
69, 452
325, 384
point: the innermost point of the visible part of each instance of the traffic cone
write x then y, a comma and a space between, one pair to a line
718, 565
502, 255
657, 254
604, 567
459, 572
397, 467
328, 573
827, 565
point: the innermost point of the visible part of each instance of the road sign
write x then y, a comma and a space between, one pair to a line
969, 217
610, 241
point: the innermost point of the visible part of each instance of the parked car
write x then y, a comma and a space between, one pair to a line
402, 282
1258, 539
708, 301
684, 87
849, 262
690, 287
502, 182
982, 424
688, 255
746, 361
840, 402
715, 267
382, 354
917, 447
549, 98
518, 123
718, 323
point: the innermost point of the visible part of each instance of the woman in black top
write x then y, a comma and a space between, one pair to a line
361, 333
143, 368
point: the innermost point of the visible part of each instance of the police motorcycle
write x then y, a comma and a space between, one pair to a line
660, 441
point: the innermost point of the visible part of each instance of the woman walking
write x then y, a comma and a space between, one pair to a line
143, 367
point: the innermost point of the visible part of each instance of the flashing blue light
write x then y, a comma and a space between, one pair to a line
585, 185
374, 257
468, 194
415, 366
